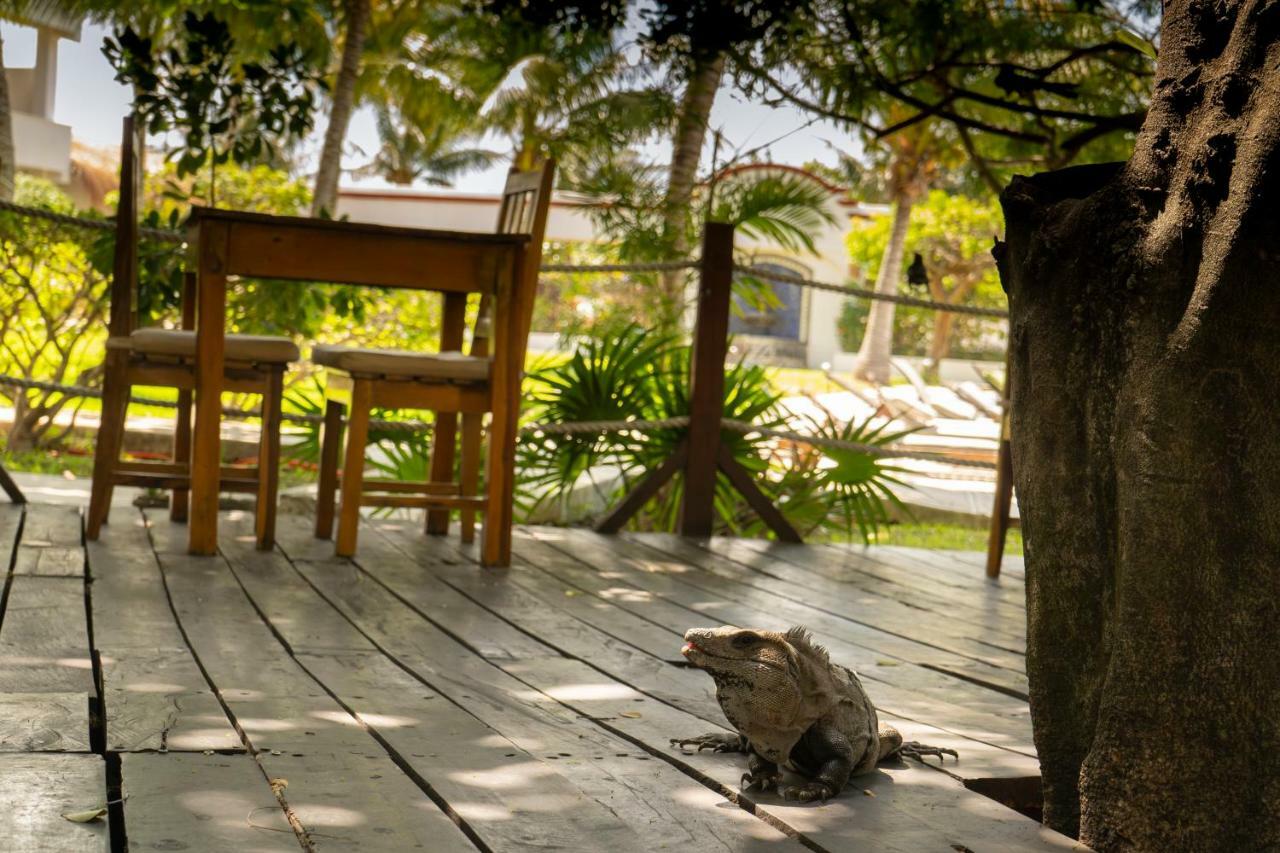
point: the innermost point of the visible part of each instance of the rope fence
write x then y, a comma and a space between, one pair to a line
579, 428
862, 293
177, 237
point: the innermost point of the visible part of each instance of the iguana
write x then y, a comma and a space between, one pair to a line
793, 707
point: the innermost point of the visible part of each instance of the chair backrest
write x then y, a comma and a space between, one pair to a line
526, 198
124, 271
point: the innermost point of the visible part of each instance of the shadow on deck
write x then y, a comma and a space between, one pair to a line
410, 700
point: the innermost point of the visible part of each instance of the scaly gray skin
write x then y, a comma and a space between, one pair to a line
793, 708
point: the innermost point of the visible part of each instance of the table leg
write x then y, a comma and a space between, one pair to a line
211, 314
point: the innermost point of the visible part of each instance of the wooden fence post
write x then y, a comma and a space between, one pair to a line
706, 384
1002, 506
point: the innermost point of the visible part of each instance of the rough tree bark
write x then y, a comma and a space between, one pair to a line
694, 118
344, 97
1145, 340
6, 135
872, 362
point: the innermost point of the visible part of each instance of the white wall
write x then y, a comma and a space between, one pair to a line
42, 146
569, 219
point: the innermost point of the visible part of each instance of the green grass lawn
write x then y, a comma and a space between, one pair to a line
945, 537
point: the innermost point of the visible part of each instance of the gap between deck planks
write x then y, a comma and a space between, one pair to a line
603, 700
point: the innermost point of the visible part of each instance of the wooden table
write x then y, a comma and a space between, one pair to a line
223, 243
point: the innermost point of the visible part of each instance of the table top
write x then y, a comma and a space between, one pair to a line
341, 226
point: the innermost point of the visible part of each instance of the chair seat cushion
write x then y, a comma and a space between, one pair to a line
182, 344
445, 366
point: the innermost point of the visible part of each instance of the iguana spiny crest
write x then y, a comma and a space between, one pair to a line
791, 707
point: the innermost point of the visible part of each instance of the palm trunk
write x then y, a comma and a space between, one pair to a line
872, 363
939, 343
344, 96
6, 135
686, 153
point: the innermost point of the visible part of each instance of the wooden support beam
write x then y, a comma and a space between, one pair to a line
1004, 487
742, 481
706, 387
10, 487
648, 487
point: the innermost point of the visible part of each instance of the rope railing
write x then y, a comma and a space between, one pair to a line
577, 428
863, 293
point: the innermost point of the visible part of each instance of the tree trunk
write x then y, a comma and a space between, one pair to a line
872, 363
686, 153
939, 343
7, 156
344, 96
1144, 349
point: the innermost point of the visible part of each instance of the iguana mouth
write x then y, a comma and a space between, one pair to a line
690, 647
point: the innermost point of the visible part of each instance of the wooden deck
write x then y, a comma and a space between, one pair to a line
410, 700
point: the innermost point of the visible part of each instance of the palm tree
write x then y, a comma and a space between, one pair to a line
429, 151
547, 92
914, 158
692, 121
7, 154
355, 23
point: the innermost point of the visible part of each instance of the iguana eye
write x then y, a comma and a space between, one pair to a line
744, 640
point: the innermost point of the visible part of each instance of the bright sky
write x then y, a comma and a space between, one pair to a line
92, 103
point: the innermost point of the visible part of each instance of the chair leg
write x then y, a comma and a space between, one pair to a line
181, 454
269, 462
470, 474
443, 441
500, 488
353, 467
330, 448
115, 404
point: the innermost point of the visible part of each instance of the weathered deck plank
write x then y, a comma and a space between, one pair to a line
781, 600
44, 638
154, 695
297, 730
38, 790
11, 516
894, 573
202, 804
878, 603
44, 722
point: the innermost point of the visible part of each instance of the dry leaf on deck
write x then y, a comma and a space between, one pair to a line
87, 816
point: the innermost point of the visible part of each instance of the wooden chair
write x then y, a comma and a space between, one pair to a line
166, 358
450, 384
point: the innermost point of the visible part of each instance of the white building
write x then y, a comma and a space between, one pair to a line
42, 146
801, 332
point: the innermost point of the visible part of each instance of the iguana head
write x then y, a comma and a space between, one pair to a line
767, 682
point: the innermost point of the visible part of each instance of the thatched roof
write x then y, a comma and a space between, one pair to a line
49, 14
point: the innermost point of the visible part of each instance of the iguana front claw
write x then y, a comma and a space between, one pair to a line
913, 749
715, 741
761, 781
808, 792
